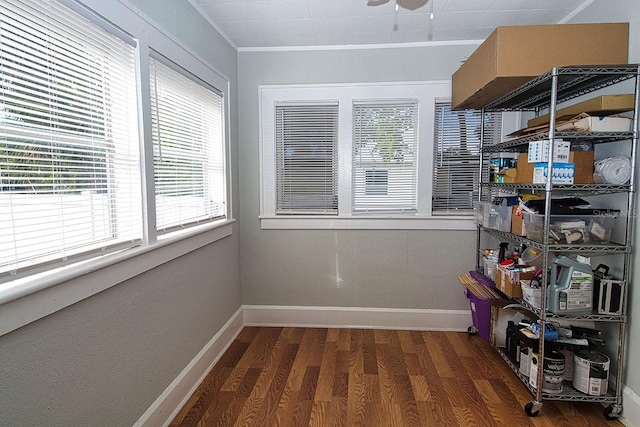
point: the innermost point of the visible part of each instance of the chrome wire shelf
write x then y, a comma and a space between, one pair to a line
572, 82
546, 92
592, 316
520, 144
568, 393
582, 189
610, 248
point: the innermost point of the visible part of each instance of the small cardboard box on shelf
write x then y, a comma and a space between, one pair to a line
582, 173
508, 280
538, 151
517, 223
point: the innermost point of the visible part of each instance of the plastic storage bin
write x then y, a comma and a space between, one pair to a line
480, 313
531, 295
496, 217
571, 229
490, 266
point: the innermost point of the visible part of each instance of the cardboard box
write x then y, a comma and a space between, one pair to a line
586, 123
513, 55
539, 151
531, 295
599, 106
517, 223
562, 173
582, 161
507, 176
508, 281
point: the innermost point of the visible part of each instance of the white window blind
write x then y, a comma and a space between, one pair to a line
187, 125
385, 148
306, 158
69, 153
457, 158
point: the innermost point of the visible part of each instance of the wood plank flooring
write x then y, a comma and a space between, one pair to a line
365, 377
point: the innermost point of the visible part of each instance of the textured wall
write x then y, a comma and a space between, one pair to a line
363, 268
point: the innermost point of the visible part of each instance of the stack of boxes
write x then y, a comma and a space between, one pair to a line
569, 167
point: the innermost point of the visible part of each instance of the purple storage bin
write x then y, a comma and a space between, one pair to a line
482, 279
481, 314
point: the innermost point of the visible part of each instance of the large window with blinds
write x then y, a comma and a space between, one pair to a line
306, 144
456, 157
73, 183
188, 143
69, 152
362, 156
385, 163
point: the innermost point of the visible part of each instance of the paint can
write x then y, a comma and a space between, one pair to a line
552, 371
568, 364
591, 372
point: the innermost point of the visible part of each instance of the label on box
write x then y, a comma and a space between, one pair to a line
508, 279
562, 173
539, 151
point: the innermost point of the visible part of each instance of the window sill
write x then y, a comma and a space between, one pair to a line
316, 222
26, 300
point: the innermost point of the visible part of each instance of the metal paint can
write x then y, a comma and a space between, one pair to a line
591, 372
552, 371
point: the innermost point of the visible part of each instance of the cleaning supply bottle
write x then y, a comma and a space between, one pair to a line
502, 255
570, 291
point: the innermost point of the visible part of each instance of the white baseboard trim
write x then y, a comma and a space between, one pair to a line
630, 408
357, 317
167, 406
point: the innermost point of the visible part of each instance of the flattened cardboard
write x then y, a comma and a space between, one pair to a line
586, 123
583, 122
603, 105
513, 55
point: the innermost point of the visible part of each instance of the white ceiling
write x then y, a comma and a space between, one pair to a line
282, 23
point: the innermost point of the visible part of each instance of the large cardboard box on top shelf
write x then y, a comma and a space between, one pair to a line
513, 55
583, 168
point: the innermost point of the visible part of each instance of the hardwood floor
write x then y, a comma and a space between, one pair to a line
363, 377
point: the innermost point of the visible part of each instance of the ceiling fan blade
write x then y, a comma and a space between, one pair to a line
413, 4
377, 2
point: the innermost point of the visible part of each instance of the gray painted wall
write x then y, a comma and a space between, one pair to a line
105, 360
357, 268
626, 11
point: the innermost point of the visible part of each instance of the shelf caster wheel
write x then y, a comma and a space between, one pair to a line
532, 409
612, 412
472, 330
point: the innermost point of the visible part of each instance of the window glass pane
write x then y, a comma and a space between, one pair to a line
376, 182
188, 153
306, 159
69, 153
385, 145
457, 157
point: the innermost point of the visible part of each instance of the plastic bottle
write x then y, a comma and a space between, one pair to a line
571, 291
